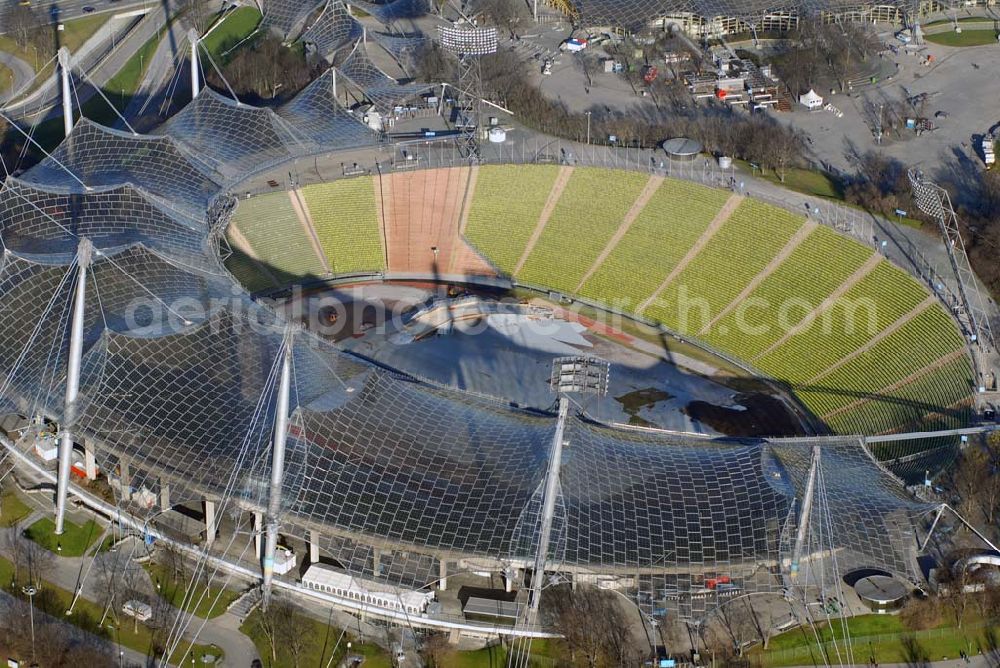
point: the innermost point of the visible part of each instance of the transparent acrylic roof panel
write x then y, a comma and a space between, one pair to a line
100, 157
335, 28
236, 139
417, 465
284, 16
641, 499
393, 11
36, 222
401, 47
133, 290
186, 403
384, 91
873, 516
316, 114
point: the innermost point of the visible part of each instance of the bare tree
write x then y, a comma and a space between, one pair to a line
20, 23
265, 71
277, 624
592, 624
164, 618
738, 622
296, 638
921, 613
29, 30
37, 561
976, 483
436, 649
507, 14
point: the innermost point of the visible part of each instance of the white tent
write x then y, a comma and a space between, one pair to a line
811, 100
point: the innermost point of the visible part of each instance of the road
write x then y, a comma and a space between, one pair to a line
149, 95
22, 73
71, 9
47, 96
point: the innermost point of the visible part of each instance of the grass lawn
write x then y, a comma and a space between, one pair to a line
964, 19
106, 544
798, 646
74, 34
87, 615
806, 181
6, 78
817, 184
12, 509
964, 38
75, 539
495, 656
320, 639
236, 27
173, 591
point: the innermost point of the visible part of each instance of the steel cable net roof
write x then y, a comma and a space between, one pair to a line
867, 514
384, 91
99, 156
131, 291
416, 465
322, 120
393, 11
197, 405
285, 15
236, 139
36, 222
636, 13
179, 376
400, 46
638, 499
333, 29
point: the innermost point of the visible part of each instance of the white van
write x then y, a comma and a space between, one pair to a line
138, 609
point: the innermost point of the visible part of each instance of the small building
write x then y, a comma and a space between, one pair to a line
682, 149
881, 593
489, 609
320, 577
811, 100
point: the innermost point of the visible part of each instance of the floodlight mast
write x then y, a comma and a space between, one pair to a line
277, 467
469, 44
84, 253
584, 375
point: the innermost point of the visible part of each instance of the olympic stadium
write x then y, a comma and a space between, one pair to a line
138, 333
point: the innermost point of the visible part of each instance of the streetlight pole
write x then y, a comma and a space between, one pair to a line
30, 592
588, 128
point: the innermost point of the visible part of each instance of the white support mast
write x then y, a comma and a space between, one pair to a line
548, 508
807, 502
72, 382
67, 100
195, 68
277, 467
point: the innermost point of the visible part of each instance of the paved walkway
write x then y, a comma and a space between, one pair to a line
73, 572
